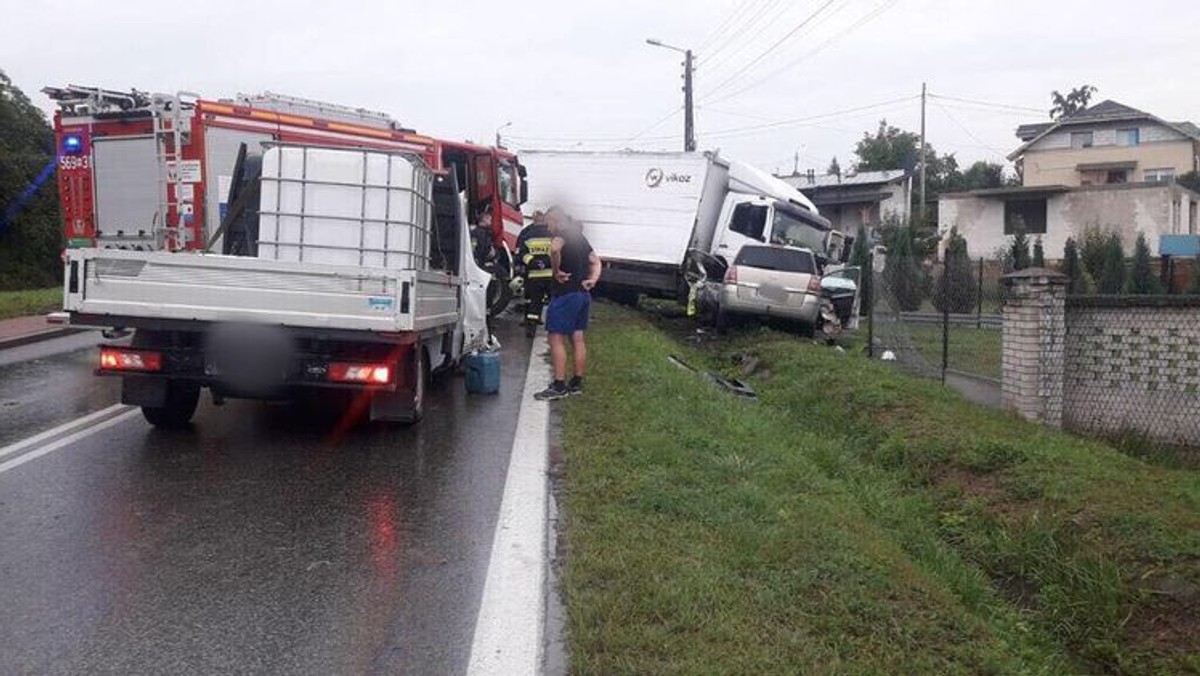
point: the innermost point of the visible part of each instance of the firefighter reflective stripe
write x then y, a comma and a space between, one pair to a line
539, 274
538, 246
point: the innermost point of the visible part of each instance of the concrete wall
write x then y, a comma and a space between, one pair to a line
1150, 208
1133, 365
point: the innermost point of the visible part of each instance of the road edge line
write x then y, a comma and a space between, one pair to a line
60, 429
510, 626
67, 440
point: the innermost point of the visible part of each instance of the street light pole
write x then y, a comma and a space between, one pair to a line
689, 118
499, 129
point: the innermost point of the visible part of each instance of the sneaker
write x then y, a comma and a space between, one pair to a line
557, 390
575, 386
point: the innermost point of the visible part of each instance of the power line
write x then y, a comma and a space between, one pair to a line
748, 40
988, 104
866, 18
800, 121
808, 19
725, 23
656, 124
983, 144
739, 30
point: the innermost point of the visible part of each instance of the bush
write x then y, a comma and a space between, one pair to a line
1039, 254
1142, 281
958, 288
1019, 248
1112, 273
1091, 251
903, 278
1078, 281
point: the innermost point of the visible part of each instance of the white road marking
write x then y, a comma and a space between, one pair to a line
61, 429
67, 440
510, 627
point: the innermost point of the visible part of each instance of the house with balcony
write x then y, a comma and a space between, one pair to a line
866, 198
1108, 166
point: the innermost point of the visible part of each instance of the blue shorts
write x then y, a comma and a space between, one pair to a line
568, 313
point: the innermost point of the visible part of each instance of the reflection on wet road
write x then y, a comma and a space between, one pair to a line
252, 542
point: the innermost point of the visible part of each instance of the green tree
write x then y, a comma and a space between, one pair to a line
1072, 267
1092, 251
1075, 100
1112, 274
982, 175
1142, 280
957, 290
861, 250
1018, 248
1039, 254
903, 280
1190, 180
30, 227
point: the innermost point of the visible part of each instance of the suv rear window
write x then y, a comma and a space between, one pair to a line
776, 258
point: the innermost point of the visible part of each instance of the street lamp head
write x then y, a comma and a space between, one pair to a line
654, 41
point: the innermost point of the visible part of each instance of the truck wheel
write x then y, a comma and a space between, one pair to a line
498, 296
420, 370
178, 409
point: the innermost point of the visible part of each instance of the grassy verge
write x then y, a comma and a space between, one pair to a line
854, 519
31, 302
972, 350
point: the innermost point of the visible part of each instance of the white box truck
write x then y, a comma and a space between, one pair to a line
356, 279
655, 217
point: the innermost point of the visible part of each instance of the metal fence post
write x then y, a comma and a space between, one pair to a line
945, 314
869, 291
979, 298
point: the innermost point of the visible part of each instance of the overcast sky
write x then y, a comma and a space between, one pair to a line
579, 74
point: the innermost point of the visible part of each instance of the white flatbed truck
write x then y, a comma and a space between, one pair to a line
364, 284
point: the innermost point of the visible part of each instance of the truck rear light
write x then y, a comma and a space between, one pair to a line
121, 359
814, 285
731, 275
369, 374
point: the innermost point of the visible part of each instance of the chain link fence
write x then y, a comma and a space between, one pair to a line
939, 319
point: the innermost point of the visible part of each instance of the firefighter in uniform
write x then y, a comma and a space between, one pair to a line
533, 257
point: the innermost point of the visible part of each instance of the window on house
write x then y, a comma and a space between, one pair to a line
1128, 137
1163, 175
1081, 139
1027, 215
1117, 176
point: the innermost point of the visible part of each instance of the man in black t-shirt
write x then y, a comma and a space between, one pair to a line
576, 271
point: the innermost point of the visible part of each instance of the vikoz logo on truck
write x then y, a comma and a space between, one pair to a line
656, 177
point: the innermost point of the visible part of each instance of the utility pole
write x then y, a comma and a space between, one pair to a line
689, 127
921, 210
689, 119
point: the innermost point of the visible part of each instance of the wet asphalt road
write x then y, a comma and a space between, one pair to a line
252, 543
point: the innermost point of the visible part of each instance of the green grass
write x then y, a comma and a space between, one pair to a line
854, 520
971, 350
31, 302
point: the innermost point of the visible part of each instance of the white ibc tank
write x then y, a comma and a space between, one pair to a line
345, 207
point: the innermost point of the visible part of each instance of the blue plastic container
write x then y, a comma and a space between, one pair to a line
483, 372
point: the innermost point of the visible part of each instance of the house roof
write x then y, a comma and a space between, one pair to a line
1105, 111
862, 178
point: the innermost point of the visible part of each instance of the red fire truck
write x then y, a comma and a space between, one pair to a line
148, 171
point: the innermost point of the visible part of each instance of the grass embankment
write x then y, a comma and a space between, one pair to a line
972, 350
855, 519
32, 302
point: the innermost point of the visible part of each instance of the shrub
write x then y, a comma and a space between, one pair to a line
1112, 273
957, 290
1141, 279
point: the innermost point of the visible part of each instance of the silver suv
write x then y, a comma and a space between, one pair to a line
768, 281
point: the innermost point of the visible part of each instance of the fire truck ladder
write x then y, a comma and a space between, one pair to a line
169, 122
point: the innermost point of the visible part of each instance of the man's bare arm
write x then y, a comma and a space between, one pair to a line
593, 272
556, 247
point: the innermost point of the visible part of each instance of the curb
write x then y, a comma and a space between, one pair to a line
38, 337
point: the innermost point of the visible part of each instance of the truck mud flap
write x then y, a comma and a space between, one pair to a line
730, 385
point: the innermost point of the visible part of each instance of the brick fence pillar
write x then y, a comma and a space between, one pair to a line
1034, 331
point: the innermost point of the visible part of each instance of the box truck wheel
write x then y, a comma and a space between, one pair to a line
178, 407
406, 406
